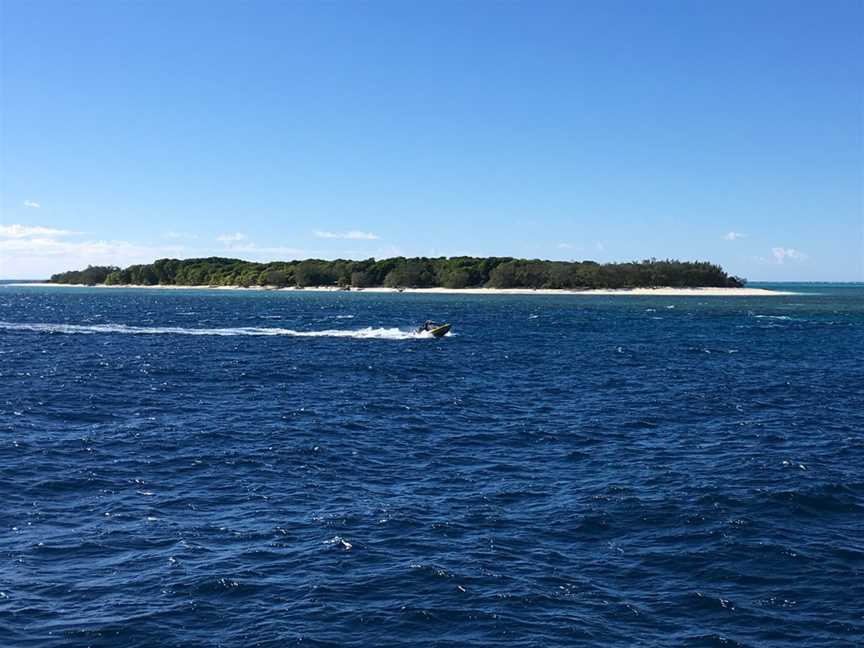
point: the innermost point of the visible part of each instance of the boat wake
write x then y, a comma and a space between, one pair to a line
367, 333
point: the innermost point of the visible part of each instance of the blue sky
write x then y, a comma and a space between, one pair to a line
729, 132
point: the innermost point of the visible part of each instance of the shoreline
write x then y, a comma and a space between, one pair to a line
656, 292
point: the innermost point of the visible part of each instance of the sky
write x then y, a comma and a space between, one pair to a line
614, 130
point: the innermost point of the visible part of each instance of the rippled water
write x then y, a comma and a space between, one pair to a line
269, 469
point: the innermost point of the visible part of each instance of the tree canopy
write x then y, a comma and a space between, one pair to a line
417, 272
89, 275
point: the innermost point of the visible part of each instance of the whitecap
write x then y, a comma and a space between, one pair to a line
347, 546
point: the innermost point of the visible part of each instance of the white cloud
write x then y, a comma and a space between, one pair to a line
178, 235
387, 252
288, 251
32, 204
734, 236
43, 246
565, 246
781, 254
231, 238
34, 252
40, 256
251, 249
24, 231
353, 235
240, 247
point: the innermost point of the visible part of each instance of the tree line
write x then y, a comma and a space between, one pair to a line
417, 272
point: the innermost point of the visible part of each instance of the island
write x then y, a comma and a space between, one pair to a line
399, 273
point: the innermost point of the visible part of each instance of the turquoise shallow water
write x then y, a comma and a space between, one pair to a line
202, 468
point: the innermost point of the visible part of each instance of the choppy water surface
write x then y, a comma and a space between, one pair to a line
270, 469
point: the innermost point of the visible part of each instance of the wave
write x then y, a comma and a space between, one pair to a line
363, 333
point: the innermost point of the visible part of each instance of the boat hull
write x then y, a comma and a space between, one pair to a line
441, 331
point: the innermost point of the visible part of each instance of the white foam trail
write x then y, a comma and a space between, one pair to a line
367, 333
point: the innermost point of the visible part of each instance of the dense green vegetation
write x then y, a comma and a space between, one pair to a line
399, 272
90, 275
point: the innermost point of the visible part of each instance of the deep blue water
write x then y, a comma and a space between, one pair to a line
562, 471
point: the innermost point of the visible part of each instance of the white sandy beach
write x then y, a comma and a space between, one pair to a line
652, 292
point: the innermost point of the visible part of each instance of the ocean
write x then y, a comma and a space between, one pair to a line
215, 468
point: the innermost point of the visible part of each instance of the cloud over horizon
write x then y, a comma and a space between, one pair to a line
32, 204
353, 235
231, 238
35, 252
24, 231
781, 254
